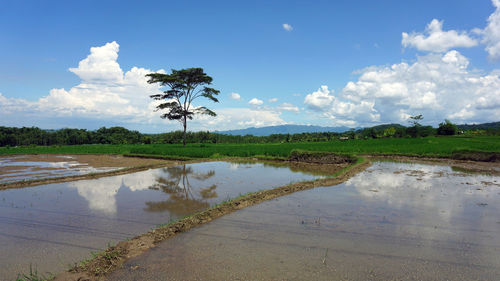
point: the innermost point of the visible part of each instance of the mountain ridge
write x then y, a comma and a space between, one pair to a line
283, 129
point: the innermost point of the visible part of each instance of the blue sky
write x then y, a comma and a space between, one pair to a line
340, 63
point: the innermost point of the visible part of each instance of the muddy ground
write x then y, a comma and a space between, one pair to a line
120, 164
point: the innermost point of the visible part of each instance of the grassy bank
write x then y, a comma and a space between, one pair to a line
430, 146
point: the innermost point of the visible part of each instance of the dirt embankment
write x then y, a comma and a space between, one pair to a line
476, 156
320, 157
113, 257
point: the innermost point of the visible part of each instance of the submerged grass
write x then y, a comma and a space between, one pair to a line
429, 146
33, 275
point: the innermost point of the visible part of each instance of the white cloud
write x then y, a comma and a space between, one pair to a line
437, 86
288, 107
437, 40
491, 34
105, 92
100, 65
320, 100
235, 96
255, 101
287, 27
273, 100
231, 118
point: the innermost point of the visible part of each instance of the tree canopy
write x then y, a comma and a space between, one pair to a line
184, 86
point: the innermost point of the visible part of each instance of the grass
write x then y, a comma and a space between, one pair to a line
33, 275
430, 146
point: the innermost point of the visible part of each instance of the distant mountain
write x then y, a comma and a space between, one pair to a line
283, 129
483, 126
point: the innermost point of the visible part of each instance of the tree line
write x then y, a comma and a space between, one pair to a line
11, 136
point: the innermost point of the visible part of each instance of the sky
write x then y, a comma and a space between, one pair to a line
82, 64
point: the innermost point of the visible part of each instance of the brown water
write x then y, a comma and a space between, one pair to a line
54, 226
392, 222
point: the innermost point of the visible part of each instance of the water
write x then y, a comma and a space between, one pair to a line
53, 226
394, 221
29, 167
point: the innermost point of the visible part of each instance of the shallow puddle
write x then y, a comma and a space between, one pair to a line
53, 226
29, 167
394, 221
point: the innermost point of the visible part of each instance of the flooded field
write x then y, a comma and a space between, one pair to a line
29, 167
394, 221
54, 226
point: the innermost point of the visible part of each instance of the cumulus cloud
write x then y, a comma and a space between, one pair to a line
288, 107
273, 100
255, 101
437, 86
287, 27
491, 34
320, 100
235, 96
436, 40
105, 92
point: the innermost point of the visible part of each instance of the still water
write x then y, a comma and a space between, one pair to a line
394, 221
53, 226
30, 167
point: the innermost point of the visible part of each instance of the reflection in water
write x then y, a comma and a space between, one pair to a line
101, 193
176, 181
394, 221
436, 197
26, 167
189, 187
309, 168
53, 225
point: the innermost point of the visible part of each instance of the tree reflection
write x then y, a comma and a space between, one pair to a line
184, 199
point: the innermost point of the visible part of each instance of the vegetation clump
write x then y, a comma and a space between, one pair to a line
320, 157
447, 128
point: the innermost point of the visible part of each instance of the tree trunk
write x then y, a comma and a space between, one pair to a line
185, 125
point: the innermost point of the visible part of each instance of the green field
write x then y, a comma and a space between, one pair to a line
430, 146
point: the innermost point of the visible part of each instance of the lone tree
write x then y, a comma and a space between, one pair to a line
416, 128
183, 90
415, 120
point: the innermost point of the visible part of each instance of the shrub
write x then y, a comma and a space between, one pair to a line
447, 128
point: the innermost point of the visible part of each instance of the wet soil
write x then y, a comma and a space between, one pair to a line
43, 168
